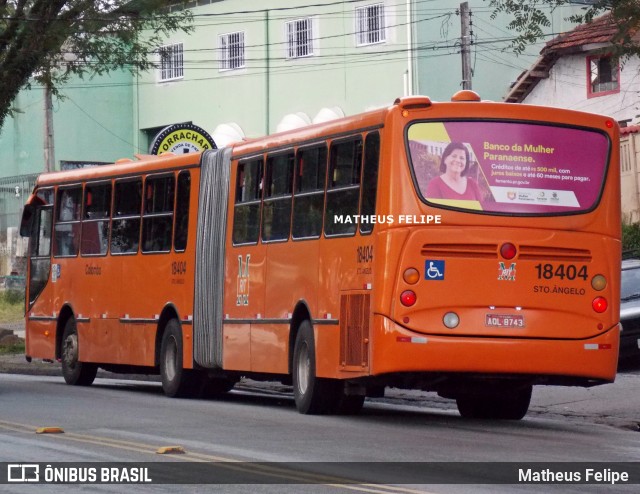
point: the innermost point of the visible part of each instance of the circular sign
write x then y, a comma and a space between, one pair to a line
181, 139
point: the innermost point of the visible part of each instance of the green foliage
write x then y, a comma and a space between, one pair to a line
631, 237
12, 349
13, 297
530, 16
11, 305
48, 41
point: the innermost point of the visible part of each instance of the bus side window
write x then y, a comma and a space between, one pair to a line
157, 221
95, 219
181, 228
311, 173
276, 209
369, 180
343, 189
125, 226
67, 227
246, 215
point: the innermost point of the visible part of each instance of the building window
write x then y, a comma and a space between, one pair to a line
370, 25
604, 75
299, 38
171, 62
231, 48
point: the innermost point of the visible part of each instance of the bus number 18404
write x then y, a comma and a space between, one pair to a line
562, 271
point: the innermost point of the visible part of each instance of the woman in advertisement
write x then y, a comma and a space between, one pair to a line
453, 182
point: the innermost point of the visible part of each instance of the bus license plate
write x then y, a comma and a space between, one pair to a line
504, 321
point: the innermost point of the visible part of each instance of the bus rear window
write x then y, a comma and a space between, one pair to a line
508, 167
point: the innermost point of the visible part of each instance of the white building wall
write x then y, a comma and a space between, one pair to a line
629, 175
566, 87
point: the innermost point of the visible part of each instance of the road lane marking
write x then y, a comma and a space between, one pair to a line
224, 462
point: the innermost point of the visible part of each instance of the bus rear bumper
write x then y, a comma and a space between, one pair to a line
584, 362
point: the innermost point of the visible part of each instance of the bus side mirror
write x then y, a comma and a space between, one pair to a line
27, 220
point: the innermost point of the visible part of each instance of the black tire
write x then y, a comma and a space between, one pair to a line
502, 403
313, 395
74, 371
177, 382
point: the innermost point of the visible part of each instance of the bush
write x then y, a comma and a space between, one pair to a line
631, 238
13, 297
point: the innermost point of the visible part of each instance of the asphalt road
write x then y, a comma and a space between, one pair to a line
125, 420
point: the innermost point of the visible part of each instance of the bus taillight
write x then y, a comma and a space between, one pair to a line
600, 304
508, 250
408, 298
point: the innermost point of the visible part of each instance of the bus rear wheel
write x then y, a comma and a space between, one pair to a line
75, 372
502, 402
176, 381
313, 395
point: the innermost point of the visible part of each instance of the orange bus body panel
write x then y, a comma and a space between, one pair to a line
349, 287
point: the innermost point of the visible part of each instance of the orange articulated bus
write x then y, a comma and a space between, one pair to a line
468, 248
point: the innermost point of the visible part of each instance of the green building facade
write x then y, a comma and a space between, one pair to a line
253, 68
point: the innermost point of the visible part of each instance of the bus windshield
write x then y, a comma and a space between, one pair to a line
508, 167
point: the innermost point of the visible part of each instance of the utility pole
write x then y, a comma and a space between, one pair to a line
49, 150
465, 20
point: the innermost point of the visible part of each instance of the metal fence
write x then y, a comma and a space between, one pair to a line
14, 192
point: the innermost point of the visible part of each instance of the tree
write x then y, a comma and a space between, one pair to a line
529, 17
48, 41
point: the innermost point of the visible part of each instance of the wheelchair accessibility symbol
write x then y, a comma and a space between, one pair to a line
433, 269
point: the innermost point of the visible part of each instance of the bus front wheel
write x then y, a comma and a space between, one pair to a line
503, 402
313, 395
176, 380
75, 372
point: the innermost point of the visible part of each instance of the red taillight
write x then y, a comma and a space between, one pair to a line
408, 298
600, 304
508, 250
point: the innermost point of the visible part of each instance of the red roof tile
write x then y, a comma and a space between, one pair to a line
600, 30
630, 129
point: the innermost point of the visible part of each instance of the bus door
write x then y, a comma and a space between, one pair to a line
245, 265
270, 341
37, 222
